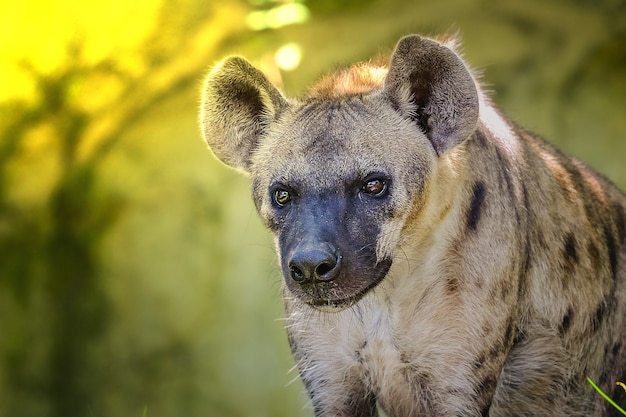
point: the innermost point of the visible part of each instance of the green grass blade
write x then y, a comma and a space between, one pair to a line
606, 397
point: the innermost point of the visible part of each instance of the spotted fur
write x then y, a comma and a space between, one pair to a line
438, 258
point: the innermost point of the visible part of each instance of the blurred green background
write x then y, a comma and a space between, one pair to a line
134, 272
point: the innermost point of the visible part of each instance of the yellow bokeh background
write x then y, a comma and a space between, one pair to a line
39, 32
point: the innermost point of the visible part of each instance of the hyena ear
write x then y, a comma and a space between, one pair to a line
431, 84
238, 105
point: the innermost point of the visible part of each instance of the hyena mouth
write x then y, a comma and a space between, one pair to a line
345, 291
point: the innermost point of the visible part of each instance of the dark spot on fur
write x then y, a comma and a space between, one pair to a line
620, 222
505, 170
485, 411
604, 377
423, 379
357, 353
332, 109
452, 285
526, 198
571, 384
616, 348
508, 334
598, 317
527, 256
361, 405
480, 139
489, 383
619, 396
476, 205
520, 336
527, 246
479, 362
580, 184
612, 250
521, 282
540, 239
566, 322
594, 255
496, 351
504, 292
485, 390
569, 251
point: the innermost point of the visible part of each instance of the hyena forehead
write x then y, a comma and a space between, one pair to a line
424, 81
356, 80
333, 140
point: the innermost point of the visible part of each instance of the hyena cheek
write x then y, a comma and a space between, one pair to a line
388, 239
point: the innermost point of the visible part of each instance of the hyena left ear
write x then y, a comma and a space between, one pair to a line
431, 84
238, 105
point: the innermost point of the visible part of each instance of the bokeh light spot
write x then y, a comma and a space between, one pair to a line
288, 56
277, 17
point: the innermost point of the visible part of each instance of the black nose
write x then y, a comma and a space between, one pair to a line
311, 263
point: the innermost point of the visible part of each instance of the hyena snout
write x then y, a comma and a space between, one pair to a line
314, 262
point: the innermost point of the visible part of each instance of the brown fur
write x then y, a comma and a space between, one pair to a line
438, 259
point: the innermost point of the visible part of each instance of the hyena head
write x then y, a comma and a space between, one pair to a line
336, 175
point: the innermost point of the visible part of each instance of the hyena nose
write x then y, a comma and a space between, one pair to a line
315, 263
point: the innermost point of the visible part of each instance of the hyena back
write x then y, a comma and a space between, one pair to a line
437, 258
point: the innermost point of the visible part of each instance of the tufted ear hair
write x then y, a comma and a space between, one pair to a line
430, 83
238, 105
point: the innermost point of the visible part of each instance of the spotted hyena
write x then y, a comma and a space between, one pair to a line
438, 259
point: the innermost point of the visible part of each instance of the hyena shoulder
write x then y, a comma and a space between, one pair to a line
438, 258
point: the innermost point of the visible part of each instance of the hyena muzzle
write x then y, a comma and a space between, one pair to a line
438, 259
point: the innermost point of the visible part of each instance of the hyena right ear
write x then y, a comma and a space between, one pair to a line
430, 83
238, 105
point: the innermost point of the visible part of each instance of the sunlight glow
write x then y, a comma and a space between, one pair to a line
37, 33
286, 14
288, 56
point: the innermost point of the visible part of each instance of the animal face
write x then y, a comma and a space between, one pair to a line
335, 182
335, 176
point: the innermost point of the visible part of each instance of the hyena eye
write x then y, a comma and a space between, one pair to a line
375, 186
281, 196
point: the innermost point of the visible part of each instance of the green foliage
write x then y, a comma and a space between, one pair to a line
606, 397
